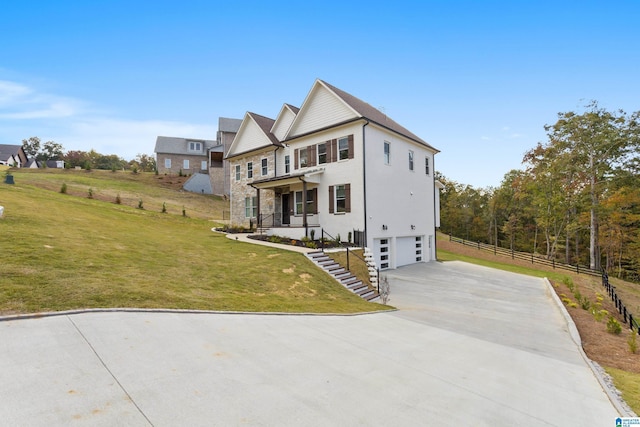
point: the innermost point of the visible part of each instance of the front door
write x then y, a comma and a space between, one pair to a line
285, 209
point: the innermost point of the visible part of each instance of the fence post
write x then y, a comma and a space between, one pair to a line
554, 263
531, 257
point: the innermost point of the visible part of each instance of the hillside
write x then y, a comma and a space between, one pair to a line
68, 251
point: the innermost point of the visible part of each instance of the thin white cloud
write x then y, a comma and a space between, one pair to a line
21, 102
127, 138
25, 112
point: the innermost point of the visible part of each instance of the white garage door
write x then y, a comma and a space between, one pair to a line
409, 250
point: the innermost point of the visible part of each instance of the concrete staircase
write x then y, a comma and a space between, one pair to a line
343, 276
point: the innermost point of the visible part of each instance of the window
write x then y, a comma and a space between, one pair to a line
167, 163
387, 152
265, 168
237, 172
343, 148
203, 165
287, 164
426, 165
250, 207
302, 158
340, 198
250, 170
322, 153
195, 146
185, 164
410, 160
298, 200
311, 201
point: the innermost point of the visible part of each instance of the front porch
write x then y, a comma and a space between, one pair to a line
293, 207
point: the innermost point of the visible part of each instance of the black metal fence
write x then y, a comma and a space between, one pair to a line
627, 317
526, 256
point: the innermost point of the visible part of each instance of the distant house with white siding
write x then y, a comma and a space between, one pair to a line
339, 165
12, 155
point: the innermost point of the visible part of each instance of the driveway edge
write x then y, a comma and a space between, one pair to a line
601, 375
177, 311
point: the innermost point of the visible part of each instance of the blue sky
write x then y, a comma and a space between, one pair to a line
476, 79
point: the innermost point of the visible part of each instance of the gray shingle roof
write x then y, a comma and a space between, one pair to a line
374, 115
229, 125
176, 145
7, 150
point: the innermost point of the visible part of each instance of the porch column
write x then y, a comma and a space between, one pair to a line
259, 218
304, 209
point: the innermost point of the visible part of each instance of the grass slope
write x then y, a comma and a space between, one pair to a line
61, 252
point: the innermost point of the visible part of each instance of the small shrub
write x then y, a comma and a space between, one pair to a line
599, 314
140, 204
274, 239
90, 194
118, 199
569, 283
134, 170
349, 237
180, 173
632, 341
164, 207
385, 289
613, 326
184, 212
313, 234
63, 189
338, 239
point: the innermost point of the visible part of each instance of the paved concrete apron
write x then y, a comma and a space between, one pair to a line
469, 346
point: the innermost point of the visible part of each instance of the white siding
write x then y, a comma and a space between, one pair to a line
321, 109
400, 202
282, 124
249, 137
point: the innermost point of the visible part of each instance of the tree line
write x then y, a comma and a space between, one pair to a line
50, 150
576, 200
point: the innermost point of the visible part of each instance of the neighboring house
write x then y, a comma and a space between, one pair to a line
340, 166
218, 165
12, 155
191, 156
182, 155
35, 164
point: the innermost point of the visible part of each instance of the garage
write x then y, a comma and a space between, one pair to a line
409, 250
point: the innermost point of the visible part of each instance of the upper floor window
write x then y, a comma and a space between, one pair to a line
237, 172
250, 170
265, 167
426, 165
387, 152
322, 153
410, 160
195, 146
343, 148
303, 160
287, 164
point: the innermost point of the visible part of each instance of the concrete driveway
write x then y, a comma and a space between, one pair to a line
469, 346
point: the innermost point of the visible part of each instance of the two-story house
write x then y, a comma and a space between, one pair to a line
12, 155
339, 165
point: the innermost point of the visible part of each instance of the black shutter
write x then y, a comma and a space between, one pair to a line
331, 199
347, 197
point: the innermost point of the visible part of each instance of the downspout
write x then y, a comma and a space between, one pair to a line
435, 233
304, 206
364, 181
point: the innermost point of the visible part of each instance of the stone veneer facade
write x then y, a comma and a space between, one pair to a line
242, 189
